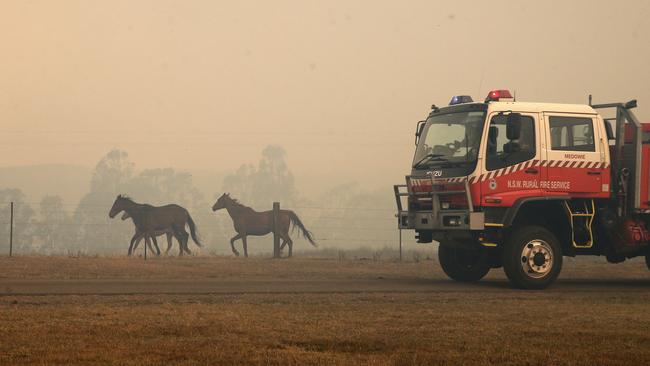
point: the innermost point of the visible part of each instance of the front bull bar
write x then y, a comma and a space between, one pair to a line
437, 218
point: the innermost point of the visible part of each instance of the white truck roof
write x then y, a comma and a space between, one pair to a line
541, 107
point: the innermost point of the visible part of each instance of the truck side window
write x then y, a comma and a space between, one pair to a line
502, 152
572, 133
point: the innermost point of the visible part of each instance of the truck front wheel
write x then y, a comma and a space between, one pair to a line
532, 257
463, 265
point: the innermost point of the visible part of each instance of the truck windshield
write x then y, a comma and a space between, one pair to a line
450, 139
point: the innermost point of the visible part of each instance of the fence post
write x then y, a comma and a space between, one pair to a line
276, 222
399, 228
11, 230
400, 245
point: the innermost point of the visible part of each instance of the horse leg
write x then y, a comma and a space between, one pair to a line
179, 238
287, 241
135, 237
232, 244
137, 243
155, 244
182, 236
186, 239
169, 242
290, 247
243, 239
147, 242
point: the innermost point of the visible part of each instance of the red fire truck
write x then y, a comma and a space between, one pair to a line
519, 185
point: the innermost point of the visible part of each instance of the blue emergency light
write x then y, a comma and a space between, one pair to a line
459, 99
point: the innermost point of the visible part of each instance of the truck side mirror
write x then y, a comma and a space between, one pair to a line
513, 126
418, 131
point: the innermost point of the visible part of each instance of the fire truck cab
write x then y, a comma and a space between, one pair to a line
520, 185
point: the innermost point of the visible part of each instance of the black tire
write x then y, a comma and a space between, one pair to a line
463, 265
532, 258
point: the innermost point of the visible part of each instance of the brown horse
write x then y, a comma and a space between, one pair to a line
140, 236
151, 221
250, 222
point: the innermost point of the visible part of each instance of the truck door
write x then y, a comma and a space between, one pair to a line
511, 164
575, 163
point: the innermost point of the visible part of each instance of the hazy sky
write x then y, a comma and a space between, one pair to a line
205, 85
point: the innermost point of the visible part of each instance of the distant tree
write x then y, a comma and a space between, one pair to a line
53, 225
274, 178
112, 172
23, 232
160, 186
95, 231
241, 183
270, 181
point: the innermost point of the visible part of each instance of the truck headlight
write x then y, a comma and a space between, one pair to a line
451, 221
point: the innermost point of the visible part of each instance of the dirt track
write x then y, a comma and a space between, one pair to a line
379, 285
311, 311
218, 275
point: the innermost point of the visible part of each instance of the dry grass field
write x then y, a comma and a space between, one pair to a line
219, 267
608, 324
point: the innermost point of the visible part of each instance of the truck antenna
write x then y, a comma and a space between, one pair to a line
590, 100
480, 81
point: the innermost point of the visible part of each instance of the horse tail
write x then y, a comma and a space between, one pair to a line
305, 233
192, 226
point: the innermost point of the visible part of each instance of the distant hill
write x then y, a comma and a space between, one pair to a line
70, 182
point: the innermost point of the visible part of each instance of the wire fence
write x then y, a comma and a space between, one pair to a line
32, 227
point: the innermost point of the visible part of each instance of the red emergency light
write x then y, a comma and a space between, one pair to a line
496, 95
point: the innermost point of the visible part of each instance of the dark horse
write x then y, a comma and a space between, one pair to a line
250, 222
151, 221
140, 236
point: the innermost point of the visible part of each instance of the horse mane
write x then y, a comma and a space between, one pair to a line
127, 198
238, 204
124, 196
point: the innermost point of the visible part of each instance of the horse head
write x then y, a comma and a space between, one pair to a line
118, 206
222, 202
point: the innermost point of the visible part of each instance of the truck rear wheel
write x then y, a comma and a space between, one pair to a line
462, 264
532, 257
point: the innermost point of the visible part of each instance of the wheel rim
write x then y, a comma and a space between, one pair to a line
537, 258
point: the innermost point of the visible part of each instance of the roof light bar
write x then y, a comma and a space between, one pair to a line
497, 95
460, 99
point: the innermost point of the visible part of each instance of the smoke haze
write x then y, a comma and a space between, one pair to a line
204, 87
